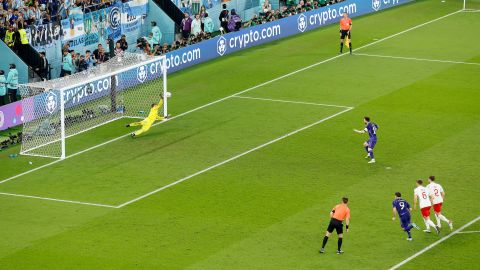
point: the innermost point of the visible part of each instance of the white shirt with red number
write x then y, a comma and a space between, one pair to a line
423, 196
436, 190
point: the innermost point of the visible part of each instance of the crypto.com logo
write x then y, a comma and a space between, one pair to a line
115, 19
51, 102
141, 74
376, 4
221, 46
302, 23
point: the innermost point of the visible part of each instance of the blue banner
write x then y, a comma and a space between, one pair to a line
114, 21
132, 15
91, 22
73, 29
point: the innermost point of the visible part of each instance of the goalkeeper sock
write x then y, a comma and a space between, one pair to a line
341, 46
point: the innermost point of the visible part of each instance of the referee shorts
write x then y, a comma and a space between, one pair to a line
335, 224
344, 33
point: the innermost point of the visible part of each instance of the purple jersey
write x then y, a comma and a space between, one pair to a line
371, 128
402, 207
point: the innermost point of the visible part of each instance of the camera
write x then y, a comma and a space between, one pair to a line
141, 43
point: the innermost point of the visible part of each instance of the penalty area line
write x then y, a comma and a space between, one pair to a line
427, 248
234, 157
418, 59
57, 200
294, 102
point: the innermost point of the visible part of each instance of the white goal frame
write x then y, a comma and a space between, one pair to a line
63, 136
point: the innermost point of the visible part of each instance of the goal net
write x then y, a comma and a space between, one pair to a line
58, 109
471, 5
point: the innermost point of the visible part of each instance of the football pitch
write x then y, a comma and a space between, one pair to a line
260, 148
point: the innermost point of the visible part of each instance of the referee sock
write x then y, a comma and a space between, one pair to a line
325, 239
350, 46
340, 240
341, 46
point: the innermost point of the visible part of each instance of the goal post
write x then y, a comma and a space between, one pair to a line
471, 5
55, 110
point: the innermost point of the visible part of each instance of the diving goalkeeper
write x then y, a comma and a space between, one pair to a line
149, 120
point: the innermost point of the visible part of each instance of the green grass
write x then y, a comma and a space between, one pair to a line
269, 208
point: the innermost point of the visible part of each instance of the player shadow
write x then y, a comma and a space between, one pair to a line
180, 139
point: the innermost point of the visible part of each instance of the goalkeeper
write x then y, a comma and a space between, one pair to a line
149, 120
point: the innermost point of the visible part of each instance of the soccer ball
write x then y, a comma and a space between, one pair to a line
168, 94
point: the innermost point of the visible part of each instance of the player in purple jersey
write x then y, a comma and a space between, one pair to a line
402, 208
370, 128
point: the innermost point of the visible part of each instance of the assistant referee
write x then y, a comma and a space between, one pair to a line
345, 31
338, 214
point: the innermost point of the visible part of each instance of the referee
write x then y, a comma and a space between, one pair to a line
339, 213
345, 28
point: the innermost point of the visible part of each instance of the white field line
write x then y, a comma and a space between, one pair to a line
238, 93
418, 59
470, 232
294, 102
57, 200
457, 231
199, 172
234, 158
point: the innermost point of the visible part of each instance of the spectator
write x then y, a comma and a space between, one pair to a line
208, 24
89, 59
223, 17
147, 49
12, 83
96, 52
102, 57
266, 7
165, 48
186, 25
3, 88
42, 68
196, 25
82, 64
118, 49
157, 34
157, 50
111, 48
67, 64
123, 43
150, 40
235, 22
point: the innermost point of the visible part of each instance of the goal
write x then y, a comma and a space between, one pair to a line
471, 5
61, 108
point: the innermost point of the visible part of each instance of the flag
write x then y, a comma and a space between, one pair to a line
346, 41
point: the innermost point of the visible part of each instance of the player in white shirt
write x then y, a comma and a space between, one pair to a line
423, 196
436, 190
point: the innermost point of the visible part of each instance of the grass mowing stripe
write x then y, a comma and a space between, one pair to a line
241, 92
57, 200
418, 59
434, 244
234, 158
